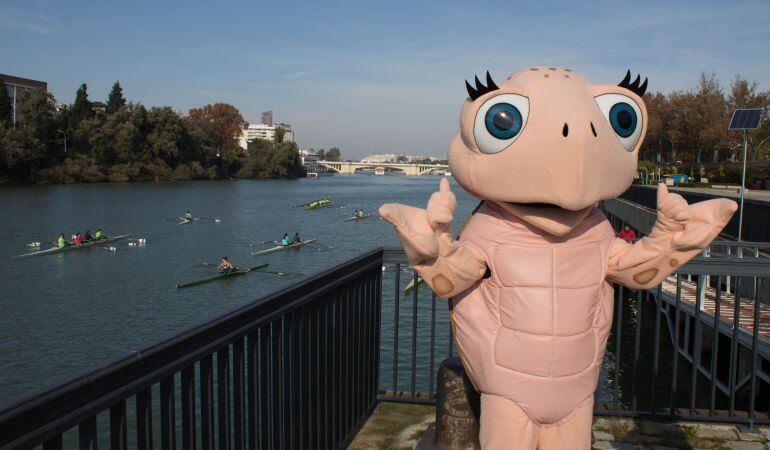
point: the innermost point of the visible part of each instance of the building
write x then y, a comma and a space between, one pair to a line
377, 159
267, 118
262, 131
15, 86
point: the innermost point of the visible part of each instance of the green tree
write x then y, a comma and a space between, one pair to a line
279, 135
6, 109
333, 154
116, 99
321, 154
168, 138
81, 109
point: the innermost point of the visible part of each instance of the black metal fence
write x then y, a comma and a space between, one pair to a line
297, 369
756, 215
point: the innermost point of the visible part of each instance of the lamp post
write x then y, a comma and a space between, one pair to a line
65, 139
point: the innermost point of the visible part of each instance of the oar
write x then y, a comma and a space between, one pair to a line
277, 273
262, 243
209, 218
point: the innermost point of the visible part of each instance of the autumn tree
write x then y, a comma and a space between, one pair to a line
223, 123
745, 94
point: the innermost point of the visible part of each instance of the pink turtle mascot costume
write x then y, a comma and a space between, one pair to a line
530, 278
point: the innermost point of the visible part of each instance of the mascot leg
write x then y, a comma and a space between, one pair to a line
572, 434
504, 426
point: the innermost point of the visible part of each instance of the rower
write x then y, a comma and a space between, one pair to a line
297, 240
285, 239
225, 266
361, 213
78, 238
188, 215
88, 237
98, 236
61, 242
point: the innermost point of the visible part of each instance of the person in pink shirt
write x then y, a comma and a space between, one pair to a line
78, 238
529, 281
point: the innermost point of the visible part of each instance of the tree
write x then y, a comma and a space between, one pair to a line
6, 109
321, 154
279, 135
81, 109
745, 94
116, 99
333, 154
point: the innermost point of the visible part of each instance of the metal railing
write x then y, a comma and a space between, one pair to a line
296, 369
303, 368
756, 215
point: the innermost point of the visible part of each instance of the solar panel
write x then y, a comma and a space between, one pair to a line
746, 119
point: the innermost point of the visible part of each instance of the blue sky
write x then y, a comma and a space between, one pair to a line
368, 76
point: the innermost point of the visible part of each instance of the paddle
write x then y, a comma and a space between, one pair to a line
277, 273
262, 243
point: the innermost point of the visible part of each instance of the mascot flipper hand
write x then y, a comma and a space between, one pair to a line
426, 235
680, 232
530, 279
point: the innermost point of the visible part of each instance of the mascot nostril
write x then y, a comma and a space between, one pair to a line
531, 288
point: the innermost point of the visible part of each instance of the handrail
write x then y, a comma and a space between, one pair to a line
35, 418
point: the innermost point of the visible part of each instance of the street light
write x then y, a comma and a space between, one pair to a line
65, 139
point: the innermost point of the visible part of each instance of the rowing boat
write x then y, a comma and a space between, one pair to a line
53, 250
322, 203
278, 248
186, 221
219, 276
357, 217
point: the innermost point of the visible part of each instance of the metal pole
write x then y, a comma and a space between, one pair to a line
743, 184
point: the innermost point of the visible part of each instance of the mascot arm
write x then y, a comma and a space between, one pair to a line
448, 266
680, 232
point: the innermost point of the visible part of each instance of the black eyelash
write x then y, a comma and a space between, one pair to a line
480, 88
634, 87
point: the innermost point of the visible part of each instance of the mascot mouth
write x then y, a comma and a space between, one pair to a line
552, 219
536, 205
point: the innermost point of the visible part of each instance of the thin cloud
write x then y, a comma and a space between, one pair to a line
383, 54
302, 73
30, 23
586, 8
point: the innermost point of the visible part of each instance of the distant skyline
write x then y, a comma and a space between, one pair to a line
368, 77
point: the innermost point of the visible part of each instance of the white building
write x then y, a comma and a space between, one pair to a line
376, 159
262, 131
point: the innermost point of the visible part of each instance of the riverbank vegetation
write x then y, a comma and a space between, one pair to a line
687, 131
122, 141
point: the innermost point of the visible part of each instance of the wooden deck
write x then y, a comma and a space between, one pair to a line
726, 309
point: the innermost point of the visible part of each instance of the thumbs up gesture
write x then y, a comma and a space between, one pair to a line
424, 233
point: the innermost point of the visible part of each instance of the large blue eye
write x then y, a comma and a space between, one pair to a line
623, 119
503, 121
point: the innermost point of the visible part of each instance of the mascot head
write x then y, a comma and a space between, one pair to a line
546, 144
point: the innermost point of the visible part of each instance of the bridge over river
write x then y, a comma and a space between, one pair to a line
349, 168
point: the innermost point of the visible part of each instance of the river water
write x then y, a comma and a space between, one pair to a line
68, 312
